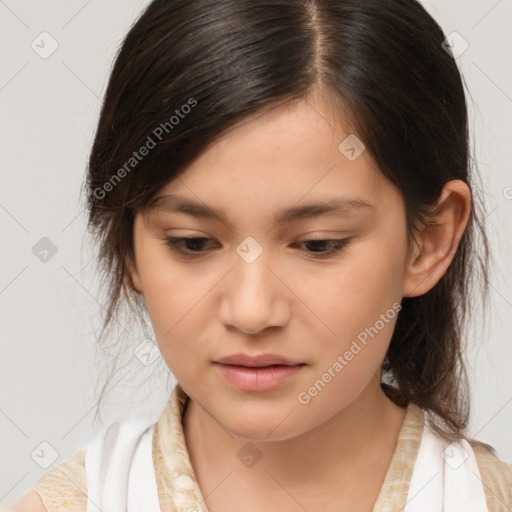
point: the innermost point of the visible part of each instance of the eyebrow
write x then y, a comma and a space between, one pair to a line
334, 205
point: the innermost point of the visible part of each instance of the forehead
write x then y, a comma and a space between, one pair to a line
288, 155
302, 130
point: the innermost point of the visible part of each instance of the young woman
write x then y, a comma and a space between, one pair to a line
284, 188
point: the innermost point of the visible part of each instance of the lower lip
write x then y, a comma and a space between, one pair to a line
258, 379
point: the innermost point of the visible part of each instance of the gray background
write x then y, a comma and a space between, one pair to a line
49, 311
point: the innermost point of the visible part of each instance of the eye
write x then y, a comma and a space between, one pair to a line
188, 247
334, 246
194, 246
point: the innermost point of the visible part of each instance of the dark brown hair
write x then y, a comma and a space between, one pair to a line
189, 70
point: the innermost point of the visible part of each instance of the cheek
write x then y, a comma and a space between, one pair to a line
360, 300
174, 295
177, 317
377, 274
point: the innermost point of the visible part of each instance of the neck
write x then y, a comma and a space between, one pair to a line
361, 435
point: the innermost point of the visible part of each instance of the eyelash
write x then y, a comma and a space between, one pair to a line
176, 245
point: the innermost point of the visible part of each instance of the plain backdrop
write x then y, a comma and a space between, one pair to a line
50, 309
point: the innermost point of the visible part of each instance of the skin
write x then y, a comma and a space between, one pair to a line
289, 303
31, 502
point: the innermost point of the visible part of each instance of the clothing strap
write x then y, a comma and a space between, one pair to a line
445, 477
119, 468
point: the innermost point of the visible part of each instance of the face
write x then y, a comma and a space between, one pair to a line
255, 281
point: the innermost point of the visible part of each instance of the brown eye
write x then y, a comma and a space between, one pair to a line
187, 246
195, 246
319, 248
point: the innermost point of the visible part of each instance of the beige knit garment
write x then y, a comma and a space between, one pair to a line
64, 487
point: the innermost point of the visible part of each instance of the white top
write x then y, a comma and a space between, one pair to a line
121, 476
459, 488
119, 468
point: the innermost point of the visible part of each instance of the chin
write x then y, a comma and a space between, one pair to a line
261, 423
257, 433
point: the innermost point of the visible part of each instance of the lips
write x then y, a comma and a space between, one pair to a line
257, 361
257, 374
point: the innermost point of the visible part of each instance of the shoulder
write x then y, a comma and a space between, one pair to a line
66, 486
496, 476
63, 488
31, 502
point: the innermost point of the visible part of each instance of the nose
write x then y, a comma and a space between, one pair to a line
253, 297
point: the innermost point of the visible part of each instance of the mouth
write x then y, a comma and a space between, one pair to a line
257, 379
257, 361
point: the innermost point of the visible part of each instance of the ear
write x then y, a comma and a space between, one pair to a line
436, 242
132, 275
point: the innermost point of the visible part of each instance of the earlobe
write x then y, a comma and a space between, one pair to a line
436, 243
132, 275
